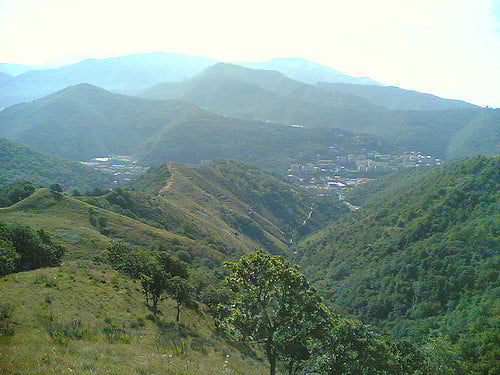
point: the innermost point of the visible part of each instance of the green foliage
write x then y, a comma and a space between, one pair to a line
6, 323
131, 260
217, 297
421, 257
274, 305
154, 281
56, 187
62, 332
8, 255
159, 271
181, 290
19, 162
22, 248
15, 192
350, 348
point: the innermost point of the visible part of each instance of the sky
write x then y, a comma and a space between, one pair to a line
450, 48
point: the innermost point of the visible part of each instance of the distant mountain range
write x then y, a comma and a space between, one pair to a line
419, 121
307, 71
85, 121
126, 74
16, 69
121, 74
394, 98
78, 124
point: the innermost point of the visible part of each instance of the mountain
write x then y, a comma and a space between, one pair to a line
420, 259
307, 71
4, 77
267, 90
479, 137
85, 121
230, 203
15, 69
220, 210
395, 98
87, 230
121, 74
21, 163
270, 96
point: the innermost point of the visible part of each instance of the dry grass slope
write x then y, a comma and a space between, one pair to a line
83, 318
70, 220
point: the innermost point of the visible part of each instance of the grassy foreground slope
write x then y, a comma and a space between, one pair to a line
421, 259
87, 230
84, 318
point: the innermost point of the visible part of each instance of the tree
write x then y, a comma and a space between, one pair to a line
15, 192
8, 257
181, 290
56, 187
275, 306
154, 283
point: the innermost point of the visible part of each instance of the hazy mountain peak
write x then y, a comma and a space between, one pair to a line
307, 71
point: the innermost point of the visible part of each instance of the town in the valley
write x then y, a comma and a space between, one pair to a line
330, 177
323, 177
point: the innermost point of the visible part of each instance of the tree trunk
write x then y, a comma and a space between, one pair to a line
178, 312
271, 356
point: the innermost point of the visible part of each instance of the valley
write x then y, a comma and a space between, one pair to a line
168, 214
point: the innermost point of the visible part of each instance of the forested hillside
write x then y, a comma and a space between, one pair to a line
21, 163
85, 121
420, 260
231, 204
395, 98
421, 122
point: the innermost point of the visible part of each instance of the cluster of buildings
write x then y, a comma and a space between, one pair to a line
333, 176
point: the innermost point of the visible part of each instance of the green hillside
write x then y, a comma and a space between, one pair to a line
418, 121
87, 230
85, 121
271, 96
226, 203
21, 163
421, 259
195, 139
86, 318
479, 137
395, 98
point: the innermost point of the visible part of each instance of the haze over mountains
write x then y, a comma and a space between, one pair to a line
126, 74
285, 90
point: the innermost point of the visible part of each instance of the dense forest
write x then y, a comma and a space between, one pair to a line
21, 163
420, 259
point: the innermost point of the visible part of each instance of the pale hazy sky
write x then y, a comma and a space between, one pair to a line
450, 48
